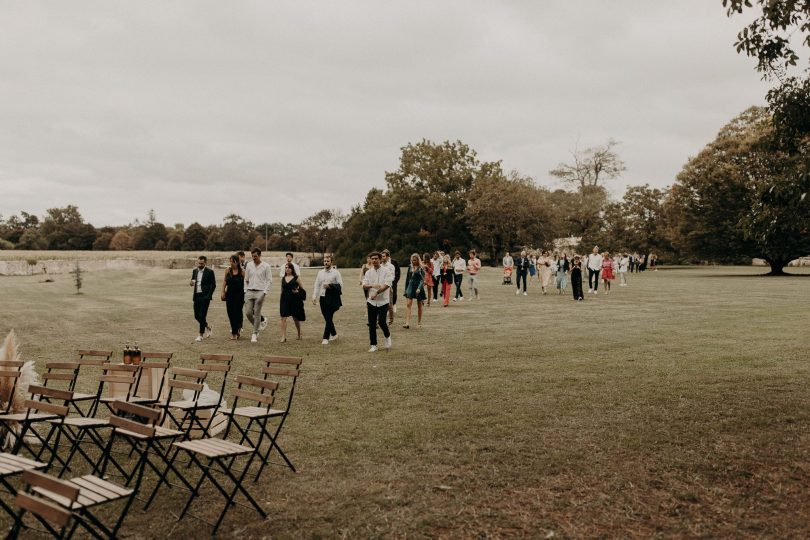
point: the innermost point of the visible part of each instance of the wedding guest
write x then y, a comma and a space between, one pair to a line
459, 266
233, 294
594, 264
563, 267
327, 291
363, 269
204, 283
437, 274
378, 282
415, 290
607, 271
576, 278
427, 265
544, 266
392, 266
448, 277
258, 278
291, 303
508, 262
282, 271
624, 264
473, 267
522, 264
532, 265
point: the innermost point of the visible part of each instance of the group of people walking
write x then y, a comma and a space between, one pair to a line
561, 268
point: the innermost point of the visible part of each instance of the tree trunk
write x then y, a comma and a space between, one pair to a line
777, 267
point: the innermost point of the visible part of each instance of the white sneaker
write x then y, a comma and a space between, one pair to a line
388, 343
198, 339
590, 291
254, 338
325, 342
454, 299
525, 294
333, 338
594, 292
263, 324
373, 348
517, 292
208, 331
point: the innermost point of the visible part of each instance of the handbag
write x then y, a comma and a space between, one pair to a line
302, 293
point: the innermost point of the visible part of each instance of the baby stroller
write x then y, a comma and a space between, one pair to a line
507, 276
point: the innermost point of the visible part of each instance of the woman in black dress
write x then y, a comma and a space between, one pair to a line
292, 301
233, 294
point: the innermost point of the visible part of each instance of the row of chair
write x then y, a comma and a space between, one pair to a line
163, 429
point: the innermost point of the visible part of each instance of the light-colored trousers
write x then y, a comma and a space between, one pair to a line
253, 308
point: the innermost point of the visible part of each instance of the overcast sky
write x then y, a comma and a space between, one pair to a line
274, 110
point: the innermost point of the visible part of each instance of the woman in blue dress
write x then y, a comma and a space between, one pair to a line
414, 290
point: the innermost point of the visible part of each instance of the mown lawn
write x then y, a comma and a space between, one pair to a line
675, 407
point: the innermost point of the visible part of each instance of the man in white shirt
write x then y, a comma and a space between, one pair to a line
377, 281
594, 264
327, 291
258, 278
289, 261
437, 272
459, 267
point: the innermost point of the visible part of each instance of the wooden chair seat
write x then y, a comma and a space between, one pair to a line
187, 404
18, 417
12, 464
160, 433
252, 412
84, 422
92, 491
214, 448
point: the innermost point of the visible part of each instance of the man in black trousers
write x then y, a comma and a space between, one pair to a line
204, 283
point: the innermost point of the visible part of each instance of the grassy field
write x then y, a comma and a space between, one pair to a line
675, 407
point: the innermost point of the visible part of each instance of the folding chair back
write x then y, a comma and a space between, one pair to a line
216, 363
283, 368
9, 376
42, 410
251, 389
54, 517
181, 379
62, 374
118, 380
152, 377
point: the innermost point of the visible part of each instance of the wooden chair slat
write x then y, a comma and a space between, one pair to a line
46, 391
164, 355
119, 367
214, 367
267, 399
134, 427
280, 372
185, 385
217, 357
61, 365
185, 372
48, 511
105, 485
60, 487
44, 406
295, 360
137, 410
93, 352
58, 376
12, 363
89, 362
253, 381
10, 374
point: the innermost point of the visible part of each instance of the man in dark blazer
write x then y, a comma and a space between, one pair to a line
204, 283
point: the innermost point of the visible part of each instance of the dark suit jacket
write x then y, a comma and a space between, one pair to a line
209, 282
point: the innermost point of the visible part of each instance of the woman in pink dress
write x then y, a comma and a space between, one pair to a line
607, 270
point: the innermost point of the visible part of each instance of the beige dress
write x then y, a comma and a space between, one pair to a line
544, 265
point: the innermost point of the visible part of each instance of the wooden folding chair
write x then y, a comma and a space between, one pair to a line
65, 375
9, 376
54, 517
181, 379
252, 390
287, 367
154, 369
198, 416
10, 466
36, 412
118, 381
219, 456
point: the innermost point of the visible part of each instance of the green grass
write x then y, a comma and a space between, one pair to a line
675, 407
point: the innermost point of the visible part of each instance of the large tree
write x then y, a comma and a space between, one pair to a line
64, 228
508, 211
743, 196
590, 168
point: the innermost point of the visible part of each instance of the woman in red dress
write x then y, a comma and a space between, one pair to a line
607, 270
